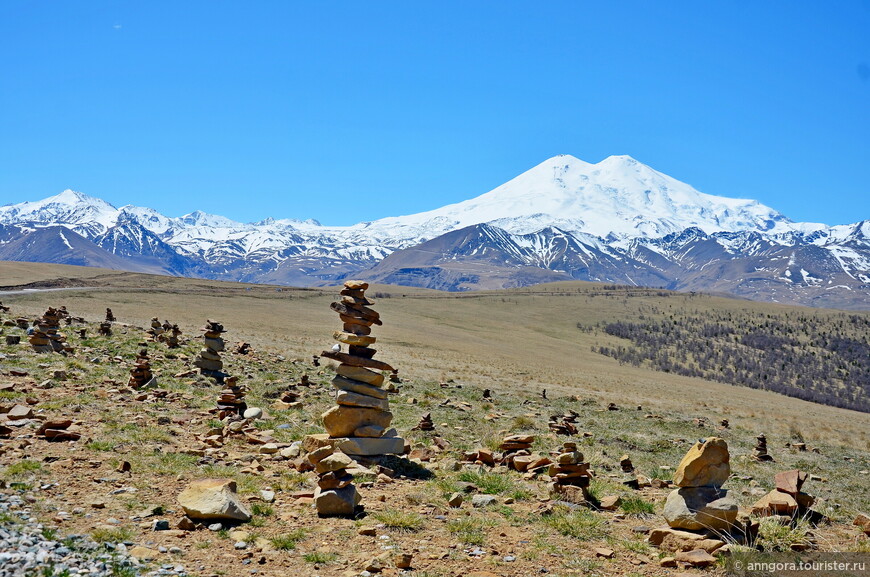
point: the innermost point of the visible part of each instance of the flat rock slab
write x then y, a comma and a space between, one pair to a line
356, 361
352, 339
351, 399
360, 374
698, 508
790, 481
213, 499
775, 503
705, 465
345, 384
364, 446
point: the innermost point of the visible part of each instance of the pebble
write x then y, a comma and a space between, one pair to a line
25, 550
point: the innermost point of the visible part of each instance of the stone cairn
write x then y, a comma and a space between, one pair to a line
336, 494
110, 318
105, 328
209, 359
362, 416
564, 424
45, 337
3, 308
787, 498
425, 423
140, 374
700, 503
570, 475
761, 449
514, 446
156, 329
231, 401
172, 334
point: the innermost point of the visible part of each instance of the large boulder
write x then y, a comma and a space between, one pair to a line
342, 421
697, 508
705, 465
213, 499
336, 502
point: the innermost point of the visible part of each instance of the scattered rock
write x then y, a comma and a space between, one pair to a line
213, 499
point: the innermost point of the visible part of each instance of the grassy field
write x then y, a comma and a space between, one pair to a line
448, 348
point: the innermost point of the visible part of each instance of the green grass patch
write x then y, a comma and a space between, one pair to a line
637, 506
469, 530
115, 535
400, 520
580, 524
22, 468
319, 558
501, 483
288, 541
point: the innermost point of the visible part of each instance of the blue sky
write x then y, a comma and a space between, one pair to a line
351, 111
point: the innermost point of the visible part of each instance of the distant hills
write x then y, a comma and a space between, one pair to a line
617, 221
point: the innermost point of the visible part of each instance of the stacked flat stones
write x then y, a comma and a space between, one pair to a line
514, 446
362, 417
425, 423
172, 334
156, 329
45, 337
700, 503
336, 494
570, 475
232, 399
209, 359
141, 373
564, 424
110, 317
761, 449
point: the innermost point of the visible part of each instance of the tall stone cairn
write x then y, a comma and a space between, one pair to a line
110, 317
570, 475
140, 374
45, 337
362, 417
209, 359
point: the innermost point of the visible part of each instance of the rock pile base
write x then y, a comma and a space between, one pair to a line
336, 494
570, 476
140, 374
362, 416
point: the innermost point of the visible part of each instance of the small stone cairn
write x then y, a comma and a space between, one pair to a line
105, 328
209, 359
425, 423
336, 494
787, 498
172, 334
45, 337
156, 329
700, 503
360, 421
110, 317
231, 401
761, 449
514, 446
570, 475
564, 424
140, 374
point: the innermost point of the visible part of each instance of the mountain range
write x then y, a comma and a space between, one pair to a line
617, 221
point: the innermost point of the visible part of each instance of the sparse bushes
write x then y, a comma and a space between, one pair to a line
824, 359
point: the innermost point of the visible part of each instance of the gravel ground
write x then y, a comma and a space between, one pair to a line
28, 549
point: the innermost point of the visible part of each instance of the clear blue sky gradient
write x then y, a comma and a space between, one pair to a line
352, 111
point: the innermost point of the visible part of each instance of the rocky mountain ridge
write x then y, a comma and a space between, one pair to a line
617, 221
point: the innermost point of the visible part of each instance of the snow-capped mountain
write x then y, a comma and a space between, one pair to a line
616, 221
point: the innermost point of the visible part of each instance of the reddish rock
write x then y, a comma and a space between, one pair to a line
790, 481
